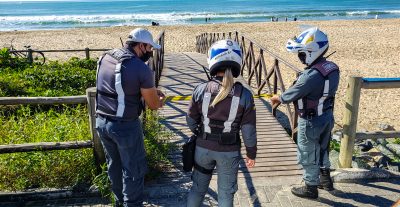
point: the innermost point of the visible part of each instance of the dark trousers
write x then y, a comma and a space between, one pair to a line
125, 155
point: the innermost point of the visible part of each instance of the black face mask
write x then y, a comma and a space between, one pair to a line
302, 57
146, 56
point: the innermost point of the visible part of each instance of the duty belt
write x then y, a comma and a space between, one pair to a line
113, 119
223, 139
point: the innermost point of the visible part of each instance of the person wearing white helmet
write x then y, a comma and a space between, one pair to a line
218, 111
313, 94
123, 79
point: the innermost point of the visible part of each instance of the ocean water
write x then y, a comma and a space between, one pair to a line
55, 14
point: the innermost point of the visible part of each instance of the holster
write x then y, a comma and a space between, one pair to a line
188, 150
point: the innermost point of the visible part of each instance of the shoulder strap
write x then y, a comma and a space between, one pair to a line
204, 108
97, 75
234, 107
325, 68
120, 54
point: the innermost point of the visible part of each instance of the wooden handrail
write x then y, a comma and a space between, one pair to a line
43, 100
272, 54
380, 83
156, 63
44, 146
95, 143
63, 50
158, 55
377, 134
355, 84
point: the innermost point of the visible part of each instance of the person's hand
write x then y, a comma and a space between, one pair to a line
275, 100
250, 163
161, 96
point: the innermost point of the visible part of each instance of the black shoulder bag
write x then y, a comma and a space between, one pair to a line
188, 153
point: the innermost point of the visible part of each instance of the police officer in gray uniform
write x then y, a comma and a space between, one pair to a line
313, 95
123, 78
221, 109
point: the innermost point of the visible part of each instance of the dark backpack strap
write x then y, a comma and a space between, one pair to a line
97, 76
238, 89
120, 54
111, 95
202, 169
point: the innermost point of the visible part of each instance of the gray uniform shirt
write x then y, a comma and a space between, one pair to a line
310, 84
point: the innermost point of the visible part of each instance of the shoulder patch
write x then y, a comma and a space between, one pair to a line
328, 66
325, 68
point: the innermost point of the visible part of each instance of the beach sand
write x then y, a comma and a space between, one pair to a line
367, 48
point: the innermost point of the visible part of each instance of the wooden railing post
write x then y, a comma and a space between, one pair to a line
97, 146
30, 56
87, 52
350, 121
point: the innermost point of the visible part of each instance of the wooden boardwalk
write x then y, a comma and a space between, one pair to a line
276, 152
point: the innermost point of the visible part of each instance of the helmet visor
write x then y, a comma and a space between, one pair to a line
293, 46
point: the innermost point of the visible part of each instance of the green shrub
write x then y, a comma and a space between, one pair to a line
29, 124
334, 145
8, 61
397, 141
53, 79
58, 169
156, 144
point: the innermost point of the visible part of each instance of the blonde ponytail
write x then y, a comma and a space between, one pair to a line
227, 84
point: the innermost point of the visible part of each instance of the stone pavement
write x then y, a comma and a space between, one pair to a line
257, 192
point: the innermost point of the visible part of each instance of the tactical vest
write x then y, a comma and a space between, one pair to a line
113, 104
309, 108
225, 132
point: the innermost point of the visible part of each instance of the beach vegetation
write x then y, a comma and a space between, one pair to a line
58, 123
396, 141
334, 145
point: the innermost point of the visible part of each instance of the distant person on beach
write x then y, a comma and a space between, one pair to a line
123, 79
313, 94
219, 110
295, 19
155, 24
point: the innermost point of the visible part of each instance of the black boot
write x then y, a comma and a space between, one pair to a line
306, 191
325, 180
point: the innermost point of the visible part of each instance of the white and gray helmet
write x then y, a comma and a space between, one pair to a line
312, 42
225, 54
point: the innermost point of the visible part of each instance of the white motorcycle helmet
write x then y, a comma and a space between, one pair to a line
310, 45
225, 54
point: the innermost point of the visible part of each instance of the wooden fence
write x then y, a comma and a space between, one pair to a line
156, 64
255, 69
46, 146
157, 61
355, 84
29, 52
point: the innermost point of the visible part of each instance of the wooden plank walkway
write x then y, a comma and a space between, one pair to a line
276, 158
276, 152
